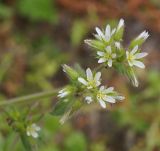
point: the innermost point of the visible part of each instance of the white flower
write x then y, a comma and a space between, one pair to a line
63, 93
133, 57
88, 99
106, 56
91, 81
32, 130
105, 36
104, 95
118, 45
120, 24
144, 35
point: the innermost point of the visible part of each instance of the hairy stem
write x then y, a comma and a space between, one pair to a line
99, 68
26, 143
32, 97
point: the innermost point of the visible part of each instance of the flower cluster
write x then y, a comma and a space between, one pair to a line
88, 86
102, 94
111, 53
85, 87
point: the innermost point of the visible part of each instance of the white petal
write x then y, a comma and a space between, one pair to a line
28, 133
62, 95
130, 63
141, 55
121, 23
101, 60
119, 97
144, 35
34, 134
110, 62
88, 99
127, 54
37, 128
83, 81
100, 53
118, 45
108, 49
109, 99
102, 103
98, 83
89, 74
61, 91
97, 76
100, 33
139, 64
102, 88
97, 36
134, 50
108, 32
109, 90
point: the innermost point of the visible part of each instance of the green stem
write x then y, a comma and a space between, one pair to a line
99, 68
26, 143
32, 97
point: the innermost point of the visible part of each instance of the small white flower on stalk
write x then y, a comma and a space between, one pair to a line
105, 36
88, 99
106, 95
144, 35
134, 56
118, 45
63, 93
106, 56
91, 81
32, 130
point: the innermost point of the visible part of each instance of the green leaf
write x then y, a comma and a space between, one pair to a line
76, 141
38, 10
5, 12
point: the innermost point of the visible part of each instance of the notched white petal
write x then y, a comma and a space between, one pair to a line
110, 99
102, 60
141, 55
110, 62
89, 74
83, 81
108, 49
102, 103
139, 64
108, 33
97, 76
100, 53
88, 99
134, 50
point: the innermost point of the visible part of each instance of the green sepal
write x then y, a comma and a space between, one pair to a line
72, 74
119, 34
132, 77
128, 72
96, 44
136, 42
61, 107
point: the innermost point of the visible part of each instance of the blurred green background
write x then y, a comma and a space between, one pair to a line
38, 36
